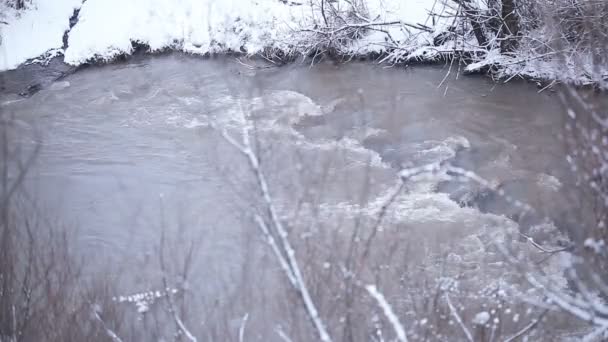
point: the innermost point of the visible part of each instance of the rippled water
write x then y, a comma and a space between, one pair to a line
132, 149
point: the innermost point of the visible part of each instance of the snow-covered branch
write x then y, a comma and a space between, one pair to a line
169, 295
527, 328
242, 328
111, 334
388, 312
456, 316
281, 245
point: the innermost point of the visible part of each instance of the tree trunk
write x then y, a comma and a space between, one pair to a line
477, 25
510, 29
476, 22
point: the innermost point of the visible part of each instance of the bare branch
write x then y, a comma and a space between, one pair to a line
458, 319
541, 248
528, 327
167, 291
111, 334
275, 248
284, 246
242, 328
388, 312
283, 335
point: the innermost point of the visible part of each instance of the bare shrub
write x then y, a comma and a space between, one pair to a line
43, 292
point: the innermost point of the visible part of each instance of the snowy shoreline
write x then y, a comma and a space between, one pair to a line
386, 31
197, 27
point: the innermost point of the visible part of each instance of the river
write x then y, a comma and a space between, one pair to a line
131, 152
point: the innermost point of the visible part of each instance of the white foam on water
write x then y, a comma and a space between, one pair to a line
433, 151
356, 152
408, 207
285, 106
276, 112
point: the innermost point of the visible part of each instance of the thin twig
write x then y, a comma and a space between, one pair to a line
541, 248
283, 335
111, 334
170, 304
275, 223
275, 248
528, 327
458, 319
242, 328
388, 312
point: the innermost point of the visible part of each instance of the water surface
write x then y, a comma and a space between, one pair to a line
132, 150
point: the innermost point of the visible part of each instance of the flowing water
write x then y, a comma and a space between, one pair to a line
131, 151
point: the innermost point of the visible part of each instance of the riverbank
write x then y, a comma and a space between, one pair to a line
390, 32
270, 28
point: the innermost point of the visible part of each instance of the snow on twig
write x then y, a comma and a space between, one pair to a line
333, 31
170, 304
111, 334
283, 335
527, 328
280, 257
388, 312
242, 327
458, 319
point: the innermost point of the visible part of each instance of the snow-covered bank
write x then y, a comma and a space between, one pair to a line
36, 31
399, 31
198, 27
107, 28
